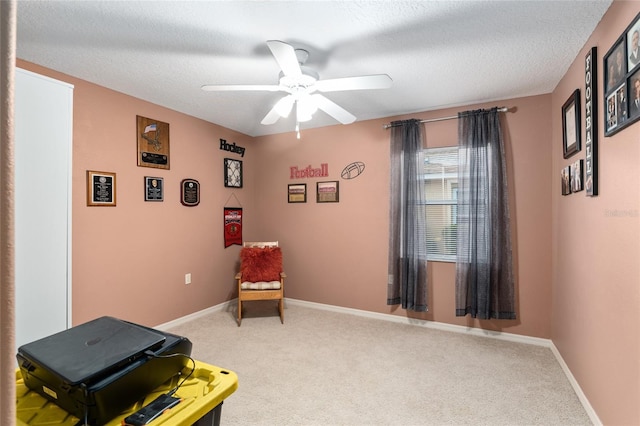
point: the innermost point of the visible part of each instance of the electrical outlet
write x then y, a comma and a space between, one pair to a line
187, 278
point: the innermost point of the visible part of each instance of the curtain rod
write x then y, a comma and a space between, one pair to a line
388, 126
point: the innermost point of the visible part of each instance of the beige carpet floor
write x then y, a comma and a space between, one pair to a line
328, 368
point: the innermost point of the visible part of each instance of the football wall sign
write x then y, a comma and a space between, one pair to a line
309, 171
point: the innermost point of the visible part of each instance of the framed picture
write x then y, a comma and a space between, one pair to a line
634, 98
101, 188
571, 125
153, 188
297, 193
153, 143
327, 192
576, 176
633, 45
612, 113
621, 103
232, 173
190, 192
565, 176
622, 80
615, 65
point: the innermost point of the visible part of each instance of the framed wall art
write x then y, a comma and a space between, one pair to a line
190, 192
634, 87
327, 192
571, 125
232, 173
232, 226
153, 143
576, 176
153, 188
101, 188
622, 80
565, 178
297, 193
591, 123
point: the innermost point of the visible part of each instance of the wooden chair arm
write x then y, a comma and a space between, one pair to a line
283, 275
238, 275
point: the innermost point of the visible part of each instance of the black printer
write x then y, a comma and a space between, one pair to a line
100, 368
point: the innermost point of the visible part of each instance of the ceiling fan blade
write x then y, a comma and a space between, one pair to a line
282, 108
286, 58
363, 82
240, 87
333, 109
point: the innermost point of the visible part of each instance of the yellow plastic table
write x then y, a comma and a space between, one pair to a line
202, 396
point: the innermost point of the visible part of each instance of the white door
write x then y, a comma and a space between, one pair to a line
43, 143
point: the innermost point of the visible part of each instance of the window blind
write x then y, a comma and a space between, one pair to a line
441, 194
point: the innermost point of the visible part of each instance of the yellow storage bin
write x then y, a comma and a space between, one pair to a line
202, 395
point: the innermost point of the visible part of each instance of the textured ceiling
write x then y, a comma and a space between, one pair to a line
438, 53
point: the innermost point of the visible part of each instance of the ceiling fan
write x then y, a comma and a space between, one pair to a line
300, 83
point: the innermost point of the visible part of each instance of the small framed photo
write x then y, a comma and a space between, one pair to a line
232, 173
576, 176
153, 188
101, 188
297, 193
633, 45
615, 65
612, 112
621, 103
327, 192
571, 125
565, 175
634, 95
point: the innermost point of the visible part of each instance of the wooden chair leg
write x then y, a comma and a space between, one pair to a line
281, 308
239, 311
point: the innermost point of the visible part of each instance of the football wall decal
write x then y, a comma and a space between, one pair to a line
352, 170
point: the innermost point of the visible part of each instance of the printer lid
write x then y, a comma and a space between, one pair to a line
90, 349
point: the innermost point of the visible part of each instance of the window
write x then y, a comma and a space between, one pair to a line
441, 188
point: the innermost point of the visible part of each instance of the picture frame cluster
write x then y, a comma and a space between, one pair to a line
622, 80
572, 177
326, 192
152, 139
621, 83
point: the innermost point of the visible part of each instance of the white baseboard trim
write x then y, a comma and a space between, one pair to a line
428, 324
576, 387
421, 323
179, 321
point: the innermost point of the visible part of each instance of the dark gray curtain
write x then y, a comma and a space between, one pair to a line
484, 271
407, 282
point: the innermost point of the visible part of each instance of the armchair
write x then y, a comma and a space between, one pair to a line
261, 275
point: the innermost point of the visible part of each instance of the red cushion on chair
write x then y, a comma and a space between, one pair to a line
260, 264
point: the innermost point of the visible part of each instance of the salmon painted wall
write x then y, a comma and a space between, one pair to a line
596, 250
130, 261
336, 253
136, 254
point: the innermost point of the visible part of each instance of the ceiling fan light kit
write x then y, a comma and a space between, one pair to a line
300, 82
305, 108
